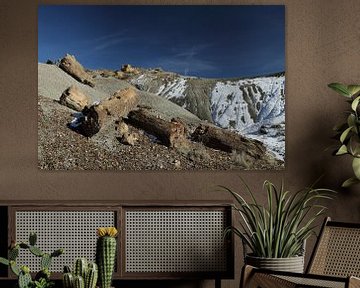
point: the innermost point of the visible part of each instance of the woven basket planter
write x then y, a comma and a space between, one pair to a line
291, 264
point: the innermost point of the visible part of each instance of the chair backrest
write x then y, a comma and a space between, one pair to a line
337, 251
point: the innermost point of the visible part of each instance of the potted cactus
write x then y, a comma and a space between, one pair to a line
106, 254
84, 275
42, 278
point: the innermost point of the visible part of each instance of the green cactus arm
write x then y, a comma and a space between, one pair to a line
68, 280
32, 238
79, 282
24, 280
24, 245
36, 251
57, 252
4, 261
14, 268
91, 276
81, 266
67, 269
45, 261
13, 253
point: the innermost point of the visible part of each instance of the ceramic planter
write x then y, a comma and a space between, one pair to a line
291, 264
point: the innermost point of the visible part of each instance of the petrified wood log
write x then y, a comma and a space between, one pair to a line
71, 66
115, 107
171, 134
74, 98
227, 141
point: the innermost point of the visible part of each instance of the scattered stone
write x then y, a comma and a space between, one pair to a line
107, 73
122, 128
74, 98
71, 66
129, 139
177, 163
119, 74
127, 68
125, 136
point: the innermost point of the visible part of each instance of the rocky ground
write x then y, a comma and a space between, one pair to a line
61, 148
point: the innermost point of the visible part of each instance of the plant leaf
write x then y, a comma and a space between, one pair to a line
345, 134
340, 88
353, 89
355, 103
349, 182
351, 120
342, 150
356, 167
4, 261
354, 145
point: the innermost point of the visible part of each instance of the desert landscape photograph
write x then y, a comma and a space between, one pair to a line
134, 87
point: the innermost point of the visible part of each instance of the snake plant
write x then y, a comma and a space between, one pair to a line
279, 228
349, 131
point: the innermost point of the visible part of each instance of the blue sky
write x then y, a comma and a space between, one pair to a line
206, 41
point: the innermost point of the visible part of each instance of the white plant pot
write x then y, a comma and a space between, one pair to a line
291, 264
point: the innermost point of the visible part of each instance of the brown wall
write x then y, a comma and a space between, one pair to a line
322, 46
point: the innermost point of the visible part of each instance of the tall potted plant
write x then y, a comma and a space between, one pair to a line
276, 233
349, 131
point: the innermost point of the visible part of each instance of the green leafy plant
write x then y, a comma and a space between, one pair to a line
349, 132
279, 229
42, 278
43, 283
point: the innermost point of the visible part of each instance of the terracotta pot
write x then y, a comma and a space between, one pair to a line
291, 264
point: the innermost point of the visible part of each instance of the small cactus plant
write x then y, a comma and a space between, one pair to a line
106, 254
42, 278
85, 275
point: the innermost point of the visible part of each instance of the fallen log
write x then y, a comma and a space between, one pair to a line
74, 98
71, 66
172, 134
228, 141
115, 107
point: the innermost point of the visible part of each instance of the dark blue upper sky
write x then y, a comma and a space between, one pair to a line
207, 41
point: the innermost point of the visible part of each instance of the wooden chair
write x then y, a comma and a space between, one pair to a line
335, 262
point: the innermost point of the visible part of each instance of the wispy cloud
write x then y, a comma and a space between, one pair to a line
188, 60
191, 67
105, 41
111, 36
110, 42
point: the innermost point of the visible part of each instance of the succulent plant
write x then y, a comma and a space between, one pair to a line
85, 275
106, 254
42, 278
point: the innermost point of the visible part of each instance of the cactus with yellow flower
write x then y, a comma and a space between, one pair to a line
106, 254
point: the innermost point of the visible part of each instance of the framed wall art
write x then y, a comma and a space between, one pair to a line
134, 87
